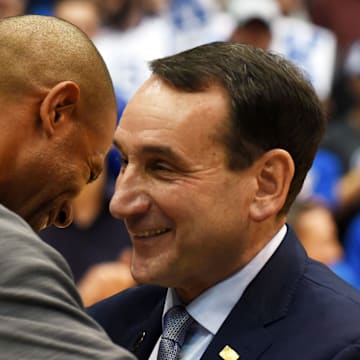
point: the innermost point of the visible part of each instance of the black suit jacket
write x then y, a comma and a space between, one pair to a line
295, 308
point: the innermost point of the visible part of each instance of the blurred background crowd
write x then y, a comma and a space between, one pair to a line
321, 36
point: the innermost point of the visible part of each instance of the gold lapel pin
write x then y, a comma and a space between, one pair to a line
227, 353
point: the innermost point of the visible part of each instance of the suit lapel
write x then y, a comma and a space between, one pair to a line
148, 333
267, 299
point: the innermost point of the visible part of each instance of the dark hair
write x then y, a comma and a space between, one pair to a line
272, 105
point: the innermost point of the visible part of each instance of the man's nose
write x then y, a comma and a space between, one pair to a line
131, 195
65, 216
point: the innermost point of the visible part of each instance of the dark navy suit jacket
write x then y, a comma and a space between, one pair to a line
295, 308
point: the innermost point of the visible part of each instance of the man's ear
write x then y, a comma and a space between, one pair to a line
274, 173
58, 105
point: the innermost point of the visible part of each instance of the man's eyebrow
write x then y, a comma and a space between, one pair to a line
166, 152
154, 149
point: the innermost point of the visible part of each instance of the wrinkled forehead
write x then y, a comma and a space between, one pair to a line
163, 115
159, 105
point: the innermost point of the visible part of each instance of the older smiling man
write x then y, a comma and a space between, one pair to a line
216, 145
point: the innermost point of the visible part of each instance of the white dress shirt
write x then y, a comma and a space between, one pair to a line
217, 301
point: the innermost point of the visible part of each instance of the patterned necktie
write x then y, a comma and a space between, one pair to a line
177, 322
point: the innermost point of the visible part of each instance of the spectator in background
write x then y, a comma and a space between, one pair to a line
334, 177
323, 244
253, 22
341, 17
136, 32
129, 37
85, 14
317, 230
278, 28
343, 141
312, 48
122, 14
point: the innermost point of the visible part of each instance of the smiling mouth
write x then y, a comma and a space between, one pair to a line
150, 233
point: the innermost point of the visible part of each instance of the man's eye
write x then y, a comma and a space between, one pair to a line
160, 166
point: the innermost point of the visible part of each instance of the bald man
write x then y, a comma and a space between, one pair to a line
58, 114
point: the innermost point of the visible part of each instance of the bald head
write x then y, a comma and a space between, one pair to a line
57, 120
38, 52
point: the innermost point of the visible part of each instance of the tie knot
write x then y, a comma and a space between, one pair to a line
177, 321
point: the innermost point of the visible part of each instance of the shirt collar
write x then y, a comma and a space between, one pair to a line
222, 297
